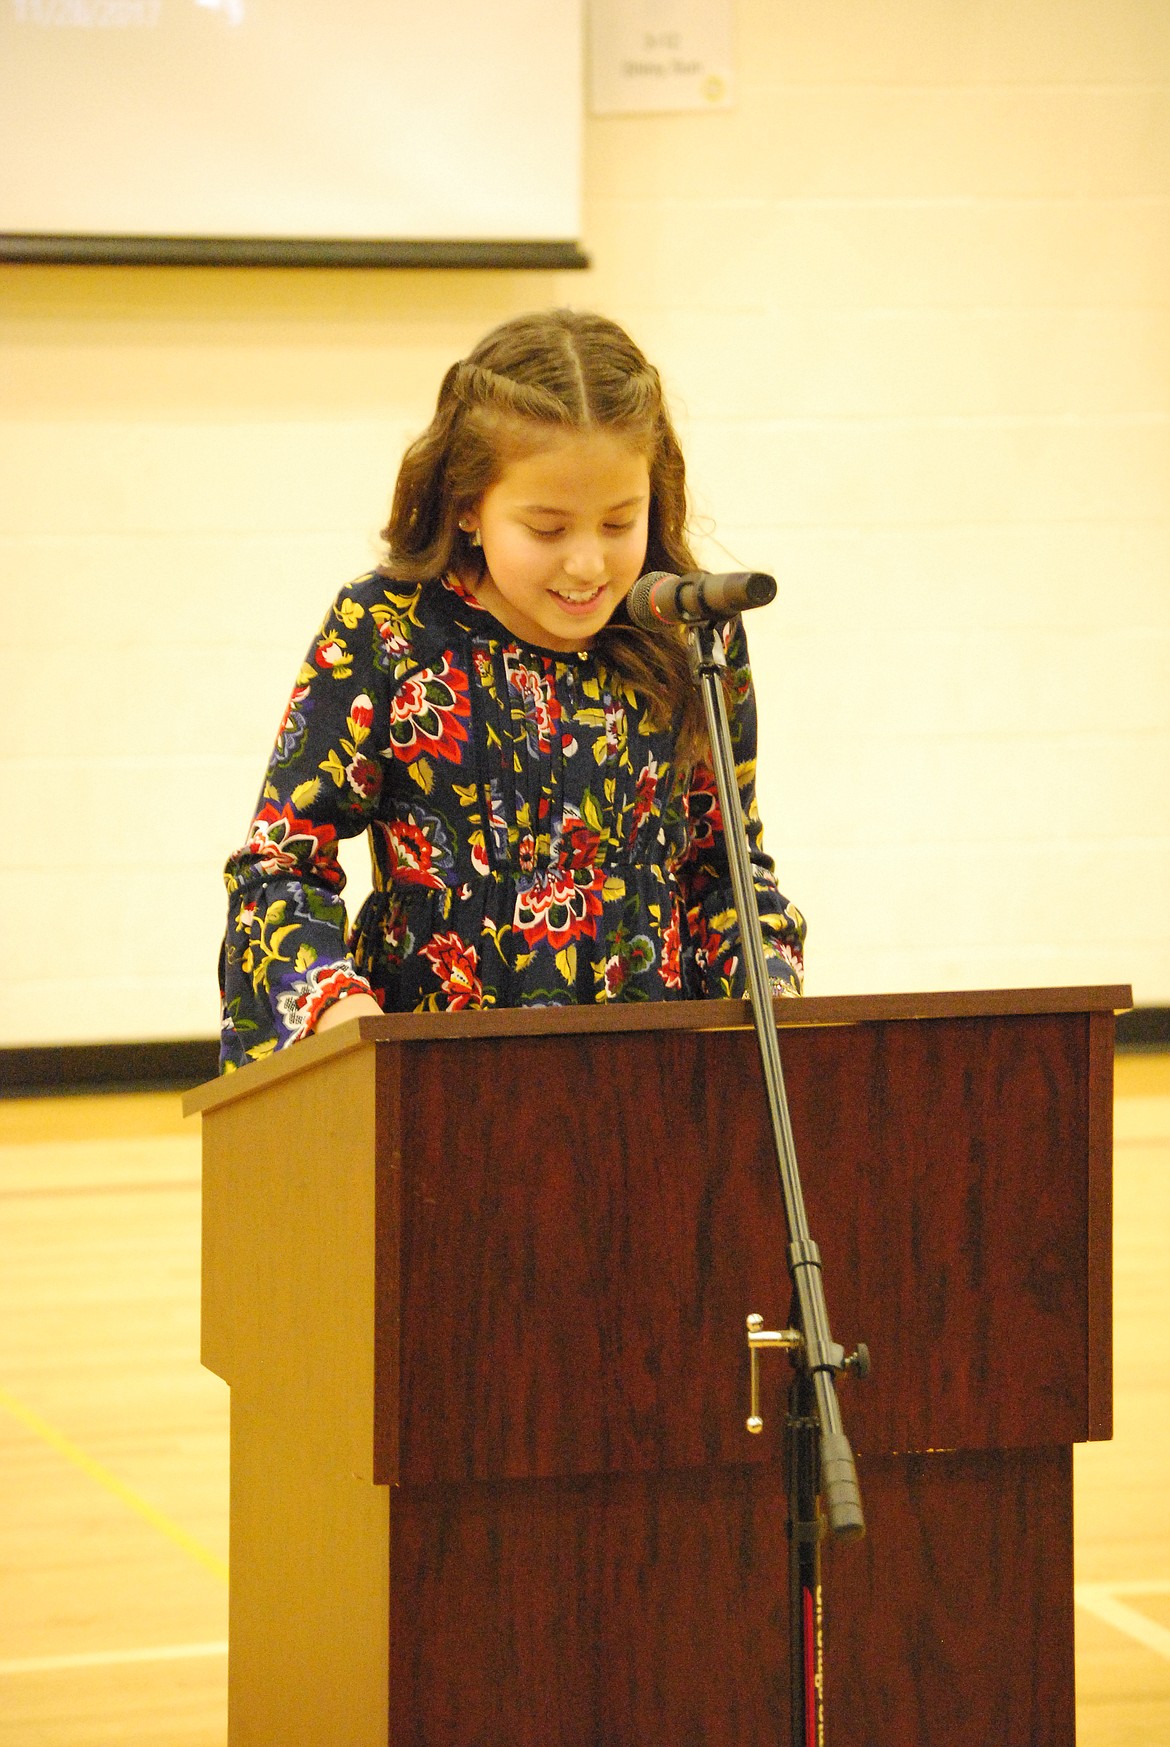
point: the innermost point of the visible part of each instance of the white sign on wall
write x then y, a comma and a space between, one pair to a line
653, 55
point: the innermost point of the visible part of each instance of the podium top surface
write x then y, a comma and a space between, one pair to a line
809, 1010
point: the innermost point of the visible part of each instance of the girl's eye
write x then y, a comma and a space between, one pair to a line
618, 527
546, 533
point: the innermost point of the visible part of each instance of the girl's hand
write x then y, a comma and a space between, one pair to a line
349, 1007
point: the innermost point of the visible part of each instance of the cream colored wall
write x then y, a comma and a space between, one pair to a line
911, 298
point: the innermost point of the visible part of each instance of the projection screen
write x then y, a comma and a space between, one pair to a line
395, 131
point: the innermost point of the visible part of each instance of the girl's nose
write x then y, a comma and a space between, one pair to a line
585, 562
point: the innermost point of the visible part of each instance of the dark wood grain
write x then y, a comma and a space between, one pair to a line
586, 1226
601, 1613
1099, 1306
951, 1624
946, 1175
627, 1610
580, 1255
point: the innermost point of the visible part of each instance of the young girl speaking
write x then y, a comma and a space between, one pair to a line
530, 766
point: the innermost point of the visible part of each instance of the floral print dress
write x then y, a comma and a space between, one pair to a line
531, 845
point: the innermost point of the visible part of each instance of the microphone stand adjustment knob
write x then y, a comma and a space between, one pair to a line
858, 1361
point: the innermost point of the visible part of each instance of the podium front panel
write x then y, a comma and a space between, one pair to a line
586, 1225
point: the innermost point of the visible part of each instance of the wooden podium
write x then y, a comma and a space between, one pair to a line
478, 1283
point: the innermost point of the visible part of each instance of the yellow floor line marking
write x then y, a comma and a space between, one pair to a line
1100, 1599
140, 1506
112, 1658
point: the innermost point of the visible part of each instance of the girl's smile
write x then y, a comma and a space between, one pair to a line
564, 537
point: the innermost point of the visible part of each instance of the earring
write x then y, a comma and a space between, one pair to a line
476, 539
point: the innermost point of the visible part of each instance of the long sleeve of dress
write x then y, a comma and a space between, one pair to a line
284, 956
704, 875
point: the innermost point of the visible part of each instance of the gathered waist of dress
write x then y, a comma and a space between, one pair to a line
397, 882
418, 847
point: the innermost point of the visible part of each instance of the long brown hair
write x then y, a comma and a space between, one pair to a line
571, 371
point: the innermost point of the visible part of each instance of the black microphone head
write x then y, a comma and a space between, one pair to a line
638, 605
661, 598
759, 588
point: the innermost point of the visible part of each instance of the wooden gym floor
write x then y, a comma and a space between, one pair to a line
113, 1441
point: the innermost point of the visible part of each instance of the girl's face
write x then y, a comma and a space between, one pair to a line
564, 537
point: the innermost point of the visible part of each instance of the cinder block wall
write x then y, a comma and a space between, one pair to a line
911, 298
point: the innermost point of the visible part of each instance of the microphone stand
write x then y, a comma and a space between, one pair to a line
820, 1461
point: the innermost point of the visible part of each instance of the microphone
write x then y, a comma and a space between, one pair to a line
658, 598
